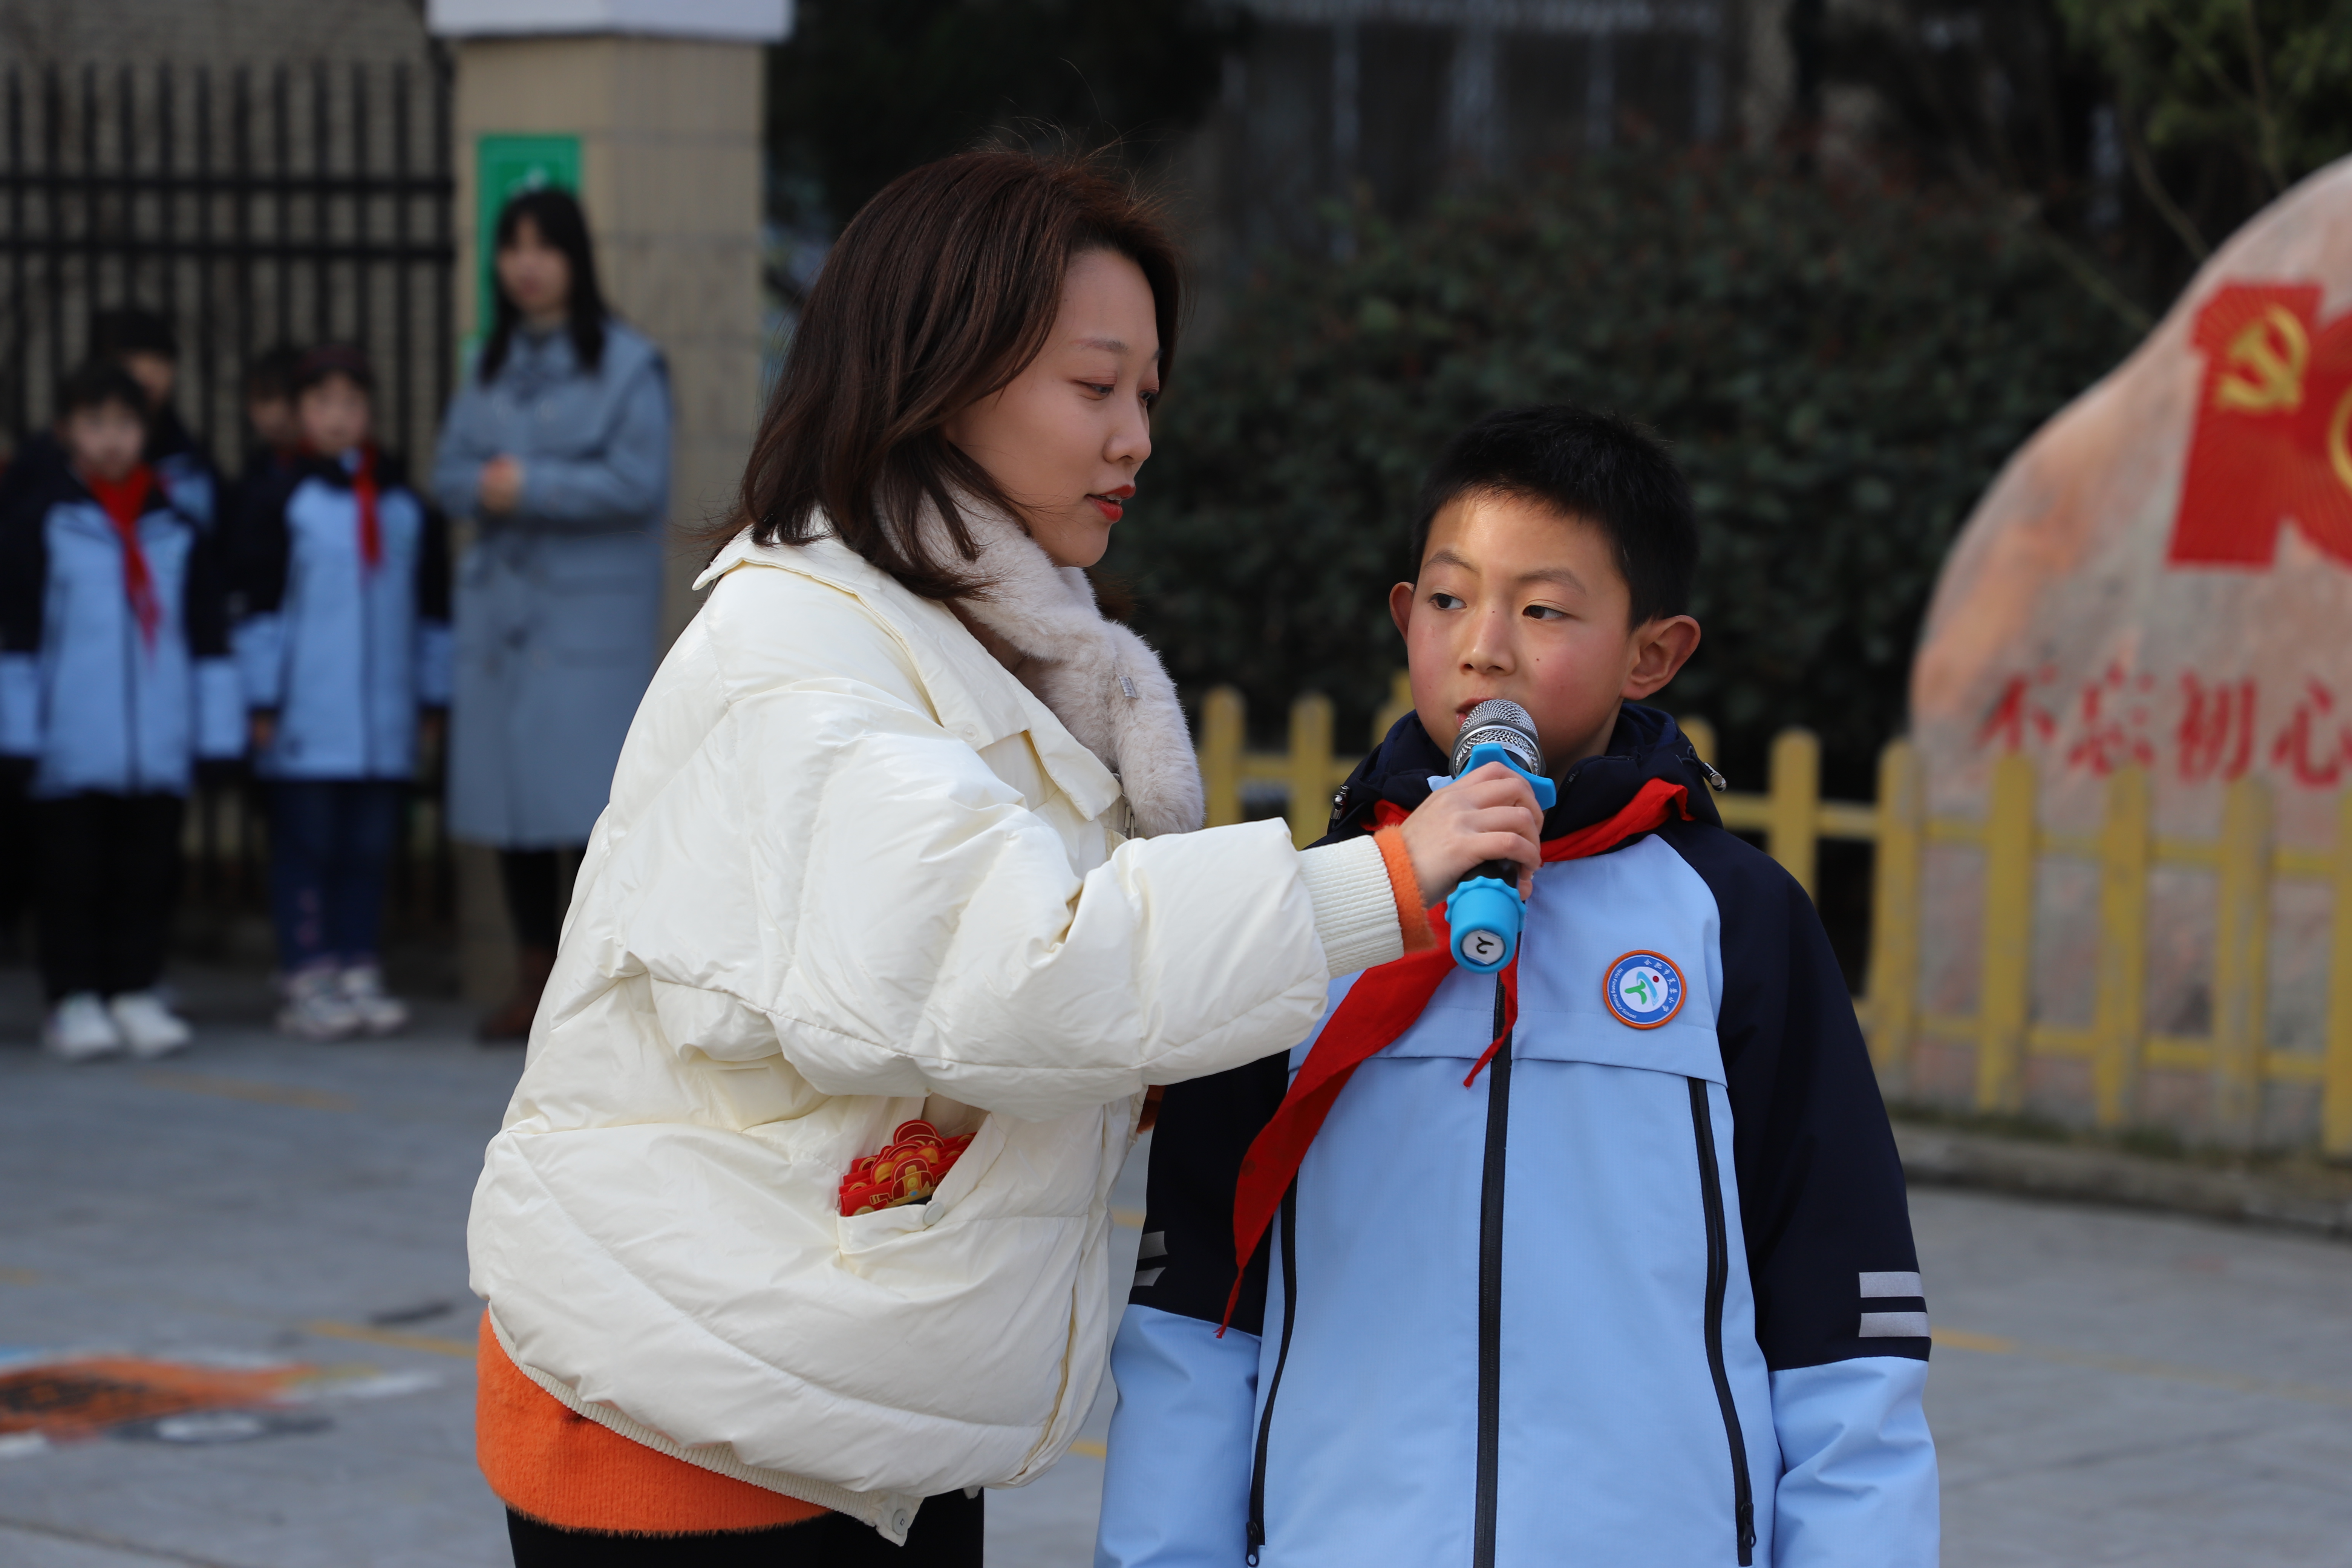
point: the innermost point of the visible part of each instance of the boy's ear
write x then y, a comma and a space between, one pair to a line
1400, 607
1661, 647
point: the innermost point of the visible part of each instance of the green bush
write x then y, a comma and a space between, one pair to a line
1842, 370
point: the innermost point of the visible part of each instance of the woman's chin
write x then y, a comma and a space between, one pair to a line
1075, 540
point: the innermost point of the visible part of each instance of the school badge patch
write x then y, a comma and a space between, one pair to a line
1644, 989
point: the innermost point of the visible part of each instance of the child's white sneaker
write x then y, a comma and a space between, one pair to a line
79, 1028
315, 1008
379, 1012
149, 1027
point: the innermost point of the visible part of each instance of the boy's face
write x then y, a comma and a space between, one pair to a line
104, 442
1518, 601
273, 420
334, 415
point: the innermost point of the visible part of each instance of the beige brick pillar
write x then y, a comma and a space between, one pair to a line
664, 98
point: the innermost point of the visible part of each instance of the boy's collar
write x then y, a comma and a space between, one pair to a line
1645, 744
339, 467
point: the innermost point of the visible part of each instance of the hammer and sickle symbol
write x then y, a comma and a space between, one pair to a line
2264, 365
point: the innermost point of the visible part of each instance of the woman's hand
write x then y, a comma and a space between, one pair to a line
501, 486
1488, 815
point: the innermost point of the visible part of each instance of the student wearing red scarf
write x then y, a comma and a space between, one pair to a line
114, 679
1600, 1258
342, 582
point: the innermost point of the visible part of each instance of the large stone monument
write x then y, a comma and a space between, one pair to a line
2160, 583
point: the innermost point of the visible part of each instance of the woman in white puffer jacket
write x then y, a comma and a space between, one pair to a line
898, 832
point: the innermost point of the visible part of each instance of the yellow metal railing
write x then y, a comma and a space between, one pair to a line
1307, 770
1793, 819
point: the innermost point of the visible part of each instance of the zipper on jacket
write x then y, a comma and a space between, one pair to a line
1718, 1279
1281, 1355
1490, 1291
132, 773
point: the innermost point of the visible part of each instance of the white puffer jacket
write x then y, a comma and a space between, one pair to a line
855, 870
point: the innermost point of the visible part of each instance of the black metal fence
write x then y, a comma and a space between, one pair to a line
248, 208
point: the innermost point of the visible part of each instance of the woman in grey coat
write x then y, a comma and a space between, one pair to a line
558, 446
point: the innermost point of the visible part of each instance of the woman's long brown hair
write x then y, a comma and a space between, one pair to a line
942, 289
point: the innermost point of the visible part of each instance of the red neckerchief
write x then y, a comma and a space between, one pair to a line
363, 490
1383, 1005
124, 500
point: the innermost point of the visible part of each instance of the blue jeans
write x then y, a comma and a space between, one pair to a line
331, 847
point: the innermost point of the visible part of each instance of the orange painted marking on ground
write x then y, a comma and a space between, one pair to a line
249, 1090
433, 1344
69, 1399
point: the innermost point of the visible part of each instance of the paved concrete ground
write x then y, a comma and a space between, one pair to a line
2108, 1387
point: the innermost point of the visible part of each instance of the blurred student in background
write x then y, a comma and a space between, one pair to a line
276, 449
144, 343
558, 446
114, 680
342, 576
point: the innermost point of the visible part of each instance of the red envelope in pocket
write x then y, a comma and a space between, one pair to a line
908, 1170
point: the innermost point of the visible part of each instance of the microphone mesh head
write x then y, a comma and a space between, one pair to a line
1504, 725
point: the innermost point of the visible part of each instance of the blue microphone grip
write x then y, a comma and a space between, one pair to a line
1485, 912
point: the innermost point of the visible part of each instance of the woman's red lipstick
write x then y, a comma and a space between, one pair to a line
1107, 502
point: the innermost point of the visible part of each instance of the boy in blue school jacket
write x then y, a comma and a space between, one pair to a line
144, 343
1602, 1258
114, 680
342, 577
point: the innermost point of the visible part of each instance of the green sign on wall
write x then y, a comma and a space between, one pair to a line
505, 166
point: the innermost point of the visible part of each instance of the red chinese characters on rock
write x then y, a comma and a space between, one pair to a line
2216, 734
2017, 716
2272, 444
2315, 747
2118, 722
2113, 719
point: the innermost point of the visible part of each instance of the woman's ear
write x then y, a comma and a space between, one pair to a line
1401, 608
1661, 647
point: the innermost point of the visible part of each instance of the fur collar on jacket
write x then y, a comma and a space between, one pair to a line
1100, 679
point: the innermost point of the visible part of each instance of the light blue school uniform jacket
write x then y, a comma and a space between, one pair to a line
185, 469
103, 706
558, 601
1641, 1294
343, 653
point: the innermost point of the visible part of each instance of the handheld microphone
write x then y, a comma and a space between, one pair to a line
1483, 911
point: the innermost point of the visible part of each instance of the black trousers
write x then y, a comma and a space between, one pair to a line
19, 873
538, 893
948, 1534
110, 870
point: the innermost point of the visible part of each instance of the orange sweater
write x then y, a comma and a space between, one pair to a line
550, 1464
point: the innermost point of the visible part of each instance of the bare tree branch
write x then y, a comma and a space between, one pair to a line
2266, 121
2144, 172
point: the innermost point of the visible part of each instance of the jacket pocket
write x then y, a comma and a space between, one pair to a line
892, 1238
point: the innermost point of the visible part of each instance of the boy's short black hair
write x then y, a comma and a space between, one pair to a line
132, 331
334, 359
97, 381
270, 377
1599, 468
